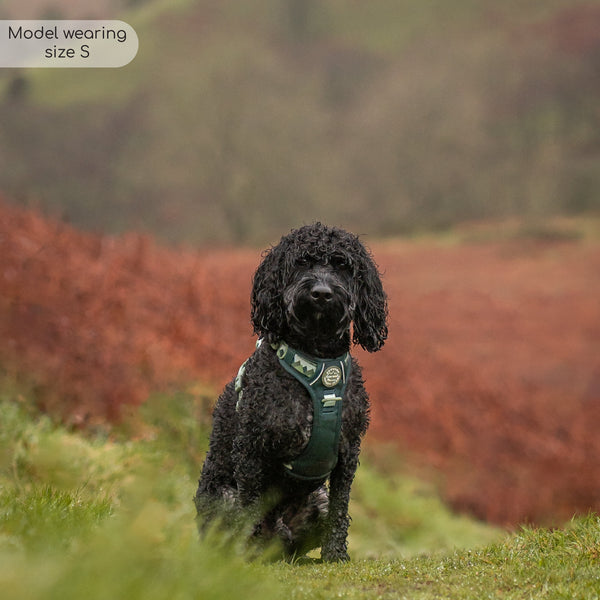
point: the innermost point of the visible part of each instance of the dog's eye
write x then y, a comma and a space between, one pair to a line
338, 262
302, 261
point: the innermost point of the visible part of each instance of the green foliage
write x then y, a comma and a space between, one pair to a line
45, 518
395, 516
87, 516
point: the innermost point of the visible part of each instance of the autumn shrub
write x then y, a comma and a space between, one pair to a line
490, 376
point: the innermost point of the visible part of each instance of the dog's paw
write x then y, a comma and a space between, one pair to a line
335, 556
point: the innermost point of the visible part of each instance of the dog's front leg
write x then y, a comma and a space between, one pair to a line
335, 546
250, 477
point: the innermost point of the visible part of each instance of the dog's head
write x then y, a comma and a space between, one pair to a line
312, 286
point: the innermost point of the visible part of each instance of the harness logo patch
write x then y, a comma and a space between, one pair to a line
331, 376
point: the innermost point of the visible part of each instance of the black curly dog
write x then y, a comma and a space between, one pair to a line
294, 417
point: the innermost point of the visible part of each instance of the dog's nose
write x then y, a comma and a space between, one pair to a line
321, 293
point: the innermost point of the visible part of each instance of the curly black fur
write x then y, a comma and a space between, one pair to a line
317, 290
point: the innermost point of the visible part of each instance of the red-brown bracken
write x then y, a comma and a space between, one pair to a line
491, 373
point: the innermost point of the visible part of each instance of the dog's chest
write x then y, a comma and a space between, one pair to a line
293, 420
280, 410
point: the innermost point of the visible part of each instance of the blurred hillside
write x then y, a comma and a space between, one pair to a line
237, 121
490, 378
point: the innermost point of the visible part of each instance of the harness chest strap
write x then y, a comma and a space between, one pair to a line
325, 381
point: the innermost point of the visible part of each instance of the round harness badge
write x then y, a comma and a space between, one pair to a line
331, 376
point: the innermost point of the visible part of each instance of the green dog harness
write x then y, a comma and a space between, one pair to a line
325, 380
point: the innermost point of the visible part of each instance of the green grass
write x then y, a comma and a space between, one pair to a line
532, 564
110, 516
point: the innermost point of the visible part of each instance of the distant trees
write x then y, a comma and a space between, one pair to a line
235, 131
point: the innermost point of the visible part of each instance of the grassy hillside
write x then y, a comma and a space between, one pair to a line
536, 563
239, 120
96, 517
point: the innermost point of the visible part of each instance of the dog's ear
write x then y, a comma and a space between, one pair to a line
267, 310
371, 310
